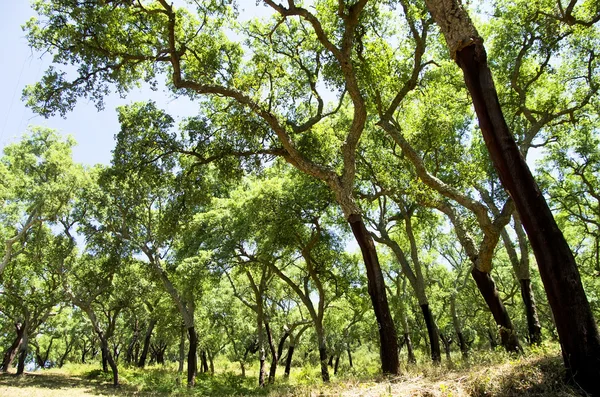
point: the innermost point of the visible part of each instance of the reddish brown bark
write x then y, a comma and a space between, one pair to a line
376, 286
575, 324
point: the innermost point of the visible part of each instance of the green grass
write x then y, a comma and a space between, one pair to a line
537, 373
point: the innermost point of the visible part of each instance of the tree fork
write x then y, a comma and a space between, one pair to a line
376, 286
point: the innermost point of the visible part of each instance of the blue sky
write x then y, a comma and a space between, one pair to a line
93, 130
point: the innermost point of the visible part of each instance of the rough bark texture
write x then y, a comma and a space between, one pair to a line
192, 361
488, 290
533, 323
147, 337
432, 332
376, 287
579, 338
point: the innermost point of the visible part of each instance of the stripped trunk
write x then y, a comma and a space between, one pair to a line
579, 338
376, 286
147, 337
432, 332
192, 361
23, 353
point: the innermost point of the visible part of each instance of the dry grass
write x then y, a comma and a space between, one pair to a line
487, 375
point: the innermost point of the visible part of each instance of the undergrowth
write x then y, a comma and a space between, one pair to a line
538, 372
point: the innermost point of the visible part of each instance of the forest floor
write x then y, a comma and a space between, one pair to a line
484, 375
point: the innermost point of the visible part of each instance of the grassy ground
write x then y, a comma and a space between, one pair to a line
538, 373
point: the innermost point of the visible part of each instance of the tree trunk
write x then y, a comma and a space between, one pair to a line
181, 350
23, 352
323, 360
488, 290
113, 367
43, 359
432, 332
104, 360
330, 362
457, 328
533, 323
211, 362
337, 363
274, 355
407, 339
376, 286
11, 352
147, 337
409, 347
350, 358
203, 361
447, 342
192, 361
288, 361
130, 349
579, 338
261, 370
492, 338
63, 357
322, 352
277, 357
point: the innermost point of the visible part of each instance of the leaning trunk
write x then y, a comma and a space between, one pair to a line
147, 337
579, 338
432, 332
349, 357
322, 352
113, 367
192, 362
376, 287
288, 361
488, 290
533, 323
